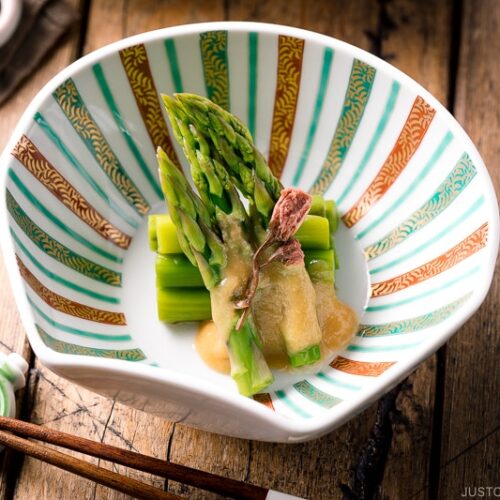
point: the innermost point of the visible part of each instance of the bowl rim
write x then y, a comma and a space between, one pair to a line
298, 430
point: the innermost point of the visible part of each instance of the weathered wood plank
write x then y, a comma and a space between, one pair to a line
344, 19
65, 407
110, 21
12, 336
472, 383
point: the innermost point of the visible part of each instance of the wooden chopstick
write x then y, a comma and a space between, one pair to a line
179, 473
90, 471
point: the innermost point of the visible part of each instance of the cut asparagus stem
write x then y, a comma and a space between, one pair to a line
153, 242
175, 270
163, 231
333, 216
306, 357
320, 265
314, 233
248, 367
183, 304
317, 205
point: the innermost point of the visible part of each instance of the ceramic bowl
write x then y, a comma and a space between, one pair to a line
417, 244
10, 14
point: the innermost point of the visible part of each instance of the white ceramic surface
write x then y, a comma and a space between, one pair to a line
10, 14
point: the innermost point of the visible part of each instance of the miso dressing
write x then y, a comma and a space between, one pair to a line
338, 323
337, 320
213, 335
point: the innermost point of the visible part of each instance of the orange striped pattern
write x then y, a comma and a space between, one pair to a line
136, 65
29, 155
366, 368
290, 51
409, 140
265, 399
467, 247
65, 305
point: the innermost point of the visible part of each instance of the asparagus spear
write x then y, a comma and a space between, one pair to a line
175, 270
198, 229
203, 127
231, 143
183, 304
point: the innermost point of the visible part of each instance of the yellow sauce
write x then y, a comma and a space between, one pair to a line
213, 335
285, 300
337, 321
211, 348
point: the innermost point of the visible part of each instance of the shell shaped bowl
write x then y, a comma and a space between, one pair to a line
417, 245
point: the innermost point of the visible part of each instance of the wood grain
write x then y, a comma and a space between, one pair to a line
471, 420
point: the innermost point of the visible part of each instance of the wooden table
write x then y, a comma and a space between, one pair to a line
433, 436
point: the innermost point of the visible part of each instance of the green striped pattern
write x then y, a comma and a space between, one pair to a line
253, 55
458, 179
433, 240
213, 47
320, 97
75, 349
384, 348
355, 101
76, 111
175, 71
59, 279
315, 395
412, 324
76, 331
282, 396
59, 223
433, 291
57, 250
381, 127
64, 149
122, 127
338, 383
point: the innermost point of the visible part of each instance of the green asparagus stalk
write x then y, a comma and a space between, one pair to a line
199, 231
313, 234
175, 270
183, 304
318, 205
333, 217
152, 233
320, 265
